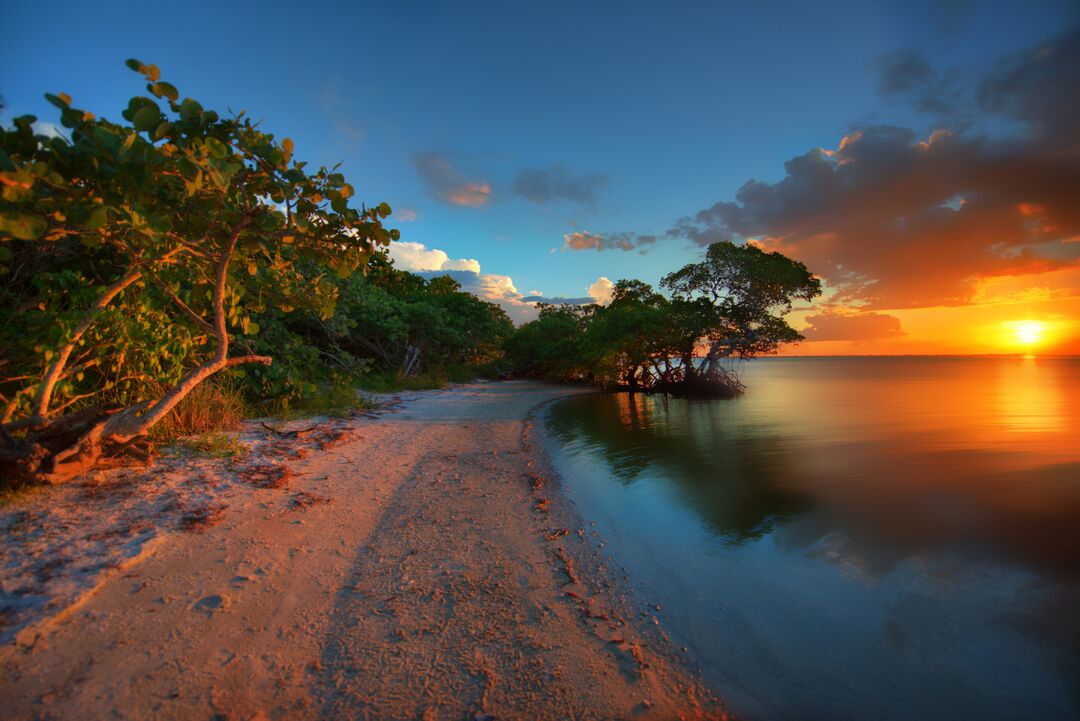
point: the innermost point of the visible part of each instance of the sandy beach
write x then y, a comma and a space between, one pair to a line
419, 562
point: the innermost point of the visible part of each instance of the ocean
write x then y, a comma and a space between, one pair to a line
855, 538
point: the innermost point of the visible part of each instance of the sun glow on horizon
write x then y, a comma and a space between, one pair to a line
1026, 333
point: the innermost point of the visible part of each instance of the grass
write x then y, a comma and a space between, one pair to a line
336, 401
393, 382
215, 405
11, 493
438, 378
215, 445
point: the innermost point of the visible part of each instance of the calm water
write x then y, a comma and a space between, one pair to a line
856, 538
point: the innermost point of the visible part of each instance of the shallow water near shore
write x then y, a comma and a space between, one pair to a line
856, 538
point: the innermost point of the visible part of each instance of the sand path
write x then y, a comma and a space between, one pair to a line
426, 568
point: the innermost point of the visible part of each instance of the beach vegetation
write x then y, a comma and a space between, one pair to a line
215, 445
729, 306
142, 258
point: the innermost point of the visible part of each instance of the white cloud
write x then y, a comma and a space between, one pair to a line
601, 290
492, 287
432, 262
406, 215
521, 307
462, 264
409, 255
41, 127
497, 287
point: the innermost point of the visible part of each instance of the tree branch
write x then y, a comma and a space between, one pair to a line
9, 409
241, 360
48, 383
199, 320
126, 426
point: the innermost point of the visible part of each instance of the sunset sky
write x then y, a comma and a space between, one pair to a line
923, 158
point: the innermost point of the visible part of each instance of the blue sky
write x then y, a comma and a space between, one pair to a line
634, 114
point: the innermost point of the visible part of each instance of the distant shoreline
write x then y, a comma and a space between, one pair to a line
925, 355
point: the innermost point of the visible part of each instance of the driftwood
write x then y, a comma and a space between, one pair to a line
299, 433
71, 446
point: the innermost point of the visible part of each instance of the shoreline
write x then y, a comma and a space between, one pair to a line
423, 563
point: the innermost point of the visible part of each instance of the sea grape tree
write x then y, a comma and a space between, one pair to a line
159, 238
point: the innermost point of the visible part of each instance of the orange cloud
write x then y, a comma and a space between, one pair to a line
848, 326
472, 195
584, 240
893, 220
987, 325
448, 184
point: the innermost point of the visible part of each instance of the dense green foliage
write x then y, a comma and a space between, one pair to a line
405, 323
135, 255
730, 305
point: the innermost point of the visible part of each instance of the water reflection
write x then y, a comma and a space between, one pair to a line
1030, 395
636, 433
915, 510
915, 487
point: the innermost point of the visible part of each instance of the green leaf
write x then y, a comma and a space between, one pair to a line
163, 130
190, 110
160, 222
218, 150
23, 226
107, 138
165, 90
146, 118
62, 101
97, 218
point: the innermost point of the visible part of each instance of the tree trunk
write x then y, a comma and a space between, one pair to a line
689, 372
412, 360
712, 359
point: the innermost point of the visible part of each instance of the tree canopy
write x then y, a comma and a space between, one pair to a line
729, 305
750, 291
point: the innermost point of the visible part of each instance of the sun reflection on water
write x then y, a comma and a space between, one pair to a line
1029, 397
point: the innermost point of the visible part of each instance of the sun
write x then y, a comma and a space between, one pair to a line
1028, 332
